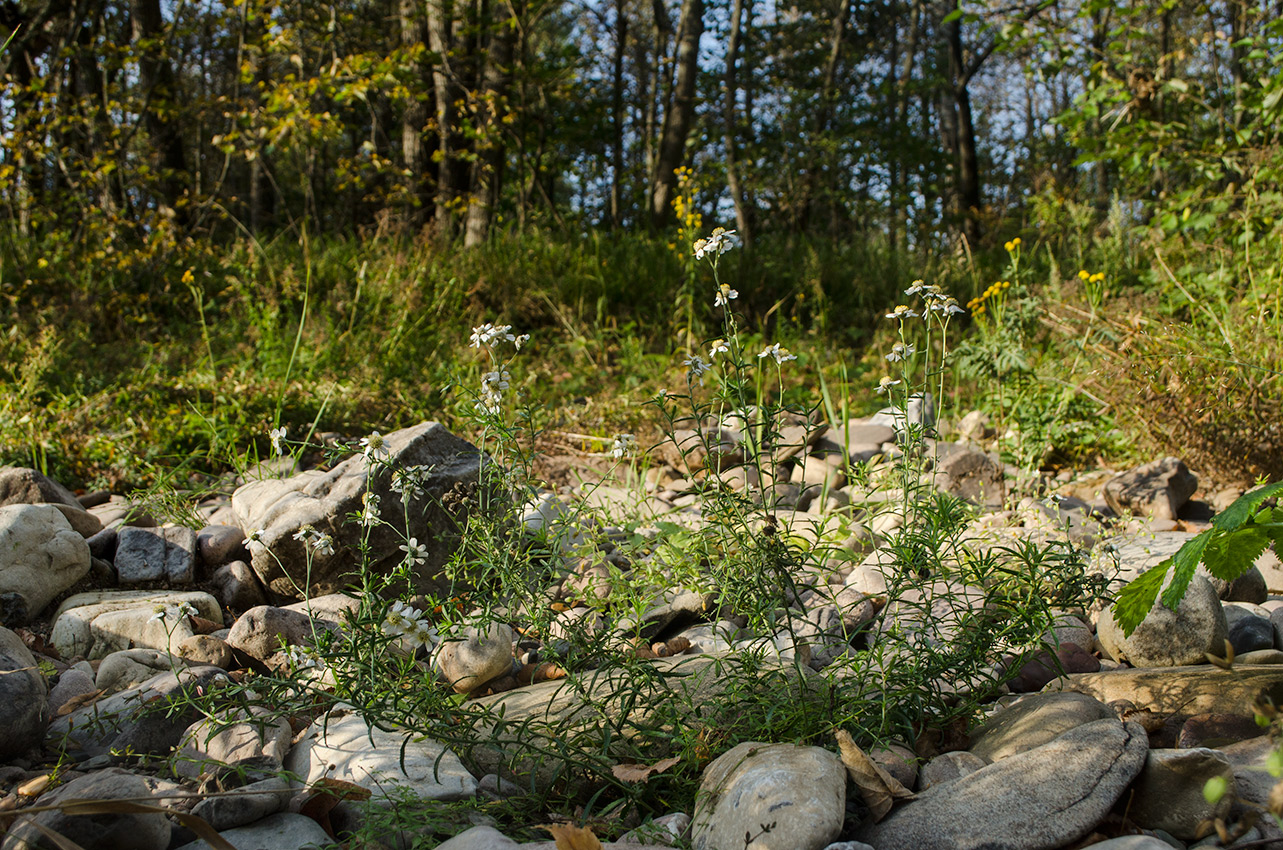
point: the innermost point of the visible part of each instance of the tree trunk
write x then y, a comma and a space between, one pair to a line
451, 168
156, 80
967, 189
490, 150
678, 118
414, 119
731, 125
617, 116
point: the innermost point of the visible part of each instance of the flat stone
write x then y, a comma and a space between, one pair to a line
1033, 721
283, 831
145, 555
96, 624
1201, 689
107, 831
786, 796
1168, 794
237, 737
1040, 799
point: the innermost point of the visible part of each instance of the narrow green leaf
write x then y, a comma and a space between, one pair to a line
1185, 562
1137, 598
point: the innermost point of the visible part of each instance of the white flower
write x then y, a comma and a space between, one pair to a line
719, 346
415, 552
489, 400
277, 435
410, 482
375, 447
498, 380
918, 286
406, 622
625, 445
323, 543
900, 351
186, 609
886, 384
370, 507
725, 295
303, 658
161, 612
255, 536
696, 368
901, 313
721, 241
487, 335
521, 340
777, 353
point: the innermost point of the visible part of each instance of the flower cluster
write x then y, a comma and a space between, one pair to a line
375, 447
936, 300
977, 305
277, 436
1088, 277
625, 446
696, 368
405, 621
1011, 246
410, 482
494, 383
777, 353
164, 612
303, 658
370, 507
488, 335
416, 554
315, 541
721, 241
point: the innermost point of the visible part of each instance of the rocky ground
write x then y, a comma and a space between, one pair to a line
1108, 744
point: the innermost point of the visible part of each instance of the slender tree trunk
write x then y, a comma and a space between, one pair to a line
414, 118
678, 118
967, 174
730, 93
824, 114
156, 80
617, 115
451, 168
490, 150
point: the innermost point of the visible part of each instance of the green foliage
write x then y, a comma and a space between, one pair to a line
1238, 535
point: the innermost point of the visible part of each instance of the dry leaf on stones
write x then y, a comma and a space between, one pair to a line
878, 789
573, 837
642, 772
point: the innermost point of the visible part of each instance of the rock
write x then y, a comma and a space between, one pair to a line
1167, 638
138, 720
1157, 489
103, 544
972, 475
217, 545
145, 555
1043, 667
1043, 798
1168, 794
284, 831
1185, 690
1217, 730
261, 632
107, 831
23, 486
41, 555
238, 737
251, 802
119, 510
1251, 633
343, 746
98, 623
947, 767
469, 660
130, 667
1033, 721
1133, 842
1249, 587
279, 510
23, 693
85, 523
206, 649
480, 838
237, 587
783, 795
921, 411
72, 683
974, 426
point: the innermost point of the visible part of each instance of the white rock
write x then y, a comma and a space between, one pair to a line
102, 622
41, 555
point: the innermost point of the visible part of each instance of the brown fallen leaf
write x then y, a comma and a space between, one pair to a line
78, 701
642, 772
323, 795
573, 837
877, 788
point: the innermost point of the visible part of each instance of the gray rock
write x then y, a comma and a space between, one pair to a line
41, 555
145, 555
130, 667
108, 831
217, 545
921, 411
1045, 798
72, 683
279, 509
1186, 690
103, 544
1157, 489
1033, 721
85, 523
479, 838
1251, 633
947, 767
237, 587
98, 623
469, 660
206, 649
1133, 842
972, 475
1249, 587
119, 510
343, 746
783, 795
238, 737
251, 802
1168, 794
262, 631
23, 692
23, 486
1167, 638
283, 831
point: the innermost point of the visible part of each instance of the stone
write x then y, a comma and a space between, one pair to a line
1133, 842
120, 510
1043, 798
72, 683
343, 746
920, 411
1271, 569
972, 475
107, 831
1217, 730
145, 555
237, 587
24, 486
283, 831
1157, 489
1249, 587
130, 667
41, 556
783, 795
1037, 671
137, 720
1168, 794
1202, 689
1033, 721
103, 544
278, 509
1251, 633
947, 767
84, 523
261, 632
479, 838
1167, 638
974, 426
217, 545
251, 802
96, 624
215, 741
23, 693
469, 660
206, 649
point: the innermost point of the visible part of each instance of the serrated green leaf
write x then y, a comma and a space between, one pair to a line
1137, 598
1184, 563
1244, 507
1228, 556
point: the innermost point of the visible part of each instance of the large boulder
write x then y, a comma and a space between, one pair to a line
22, 486
102, 831
275, 511
1157, 489
41, 555
22, 697
1167, 638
